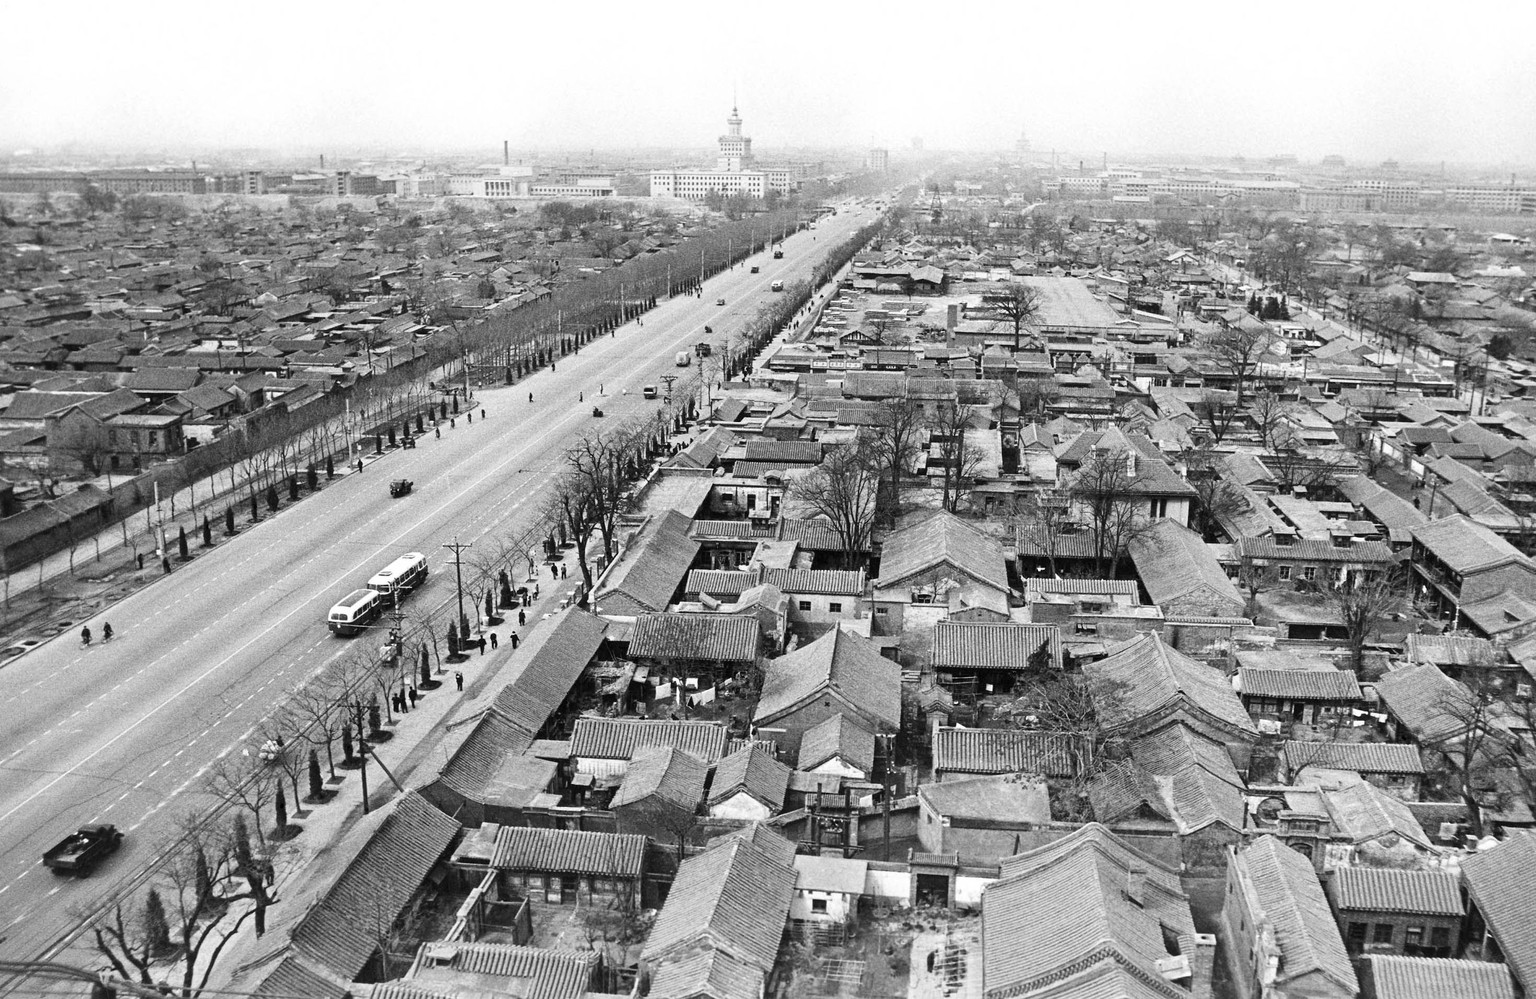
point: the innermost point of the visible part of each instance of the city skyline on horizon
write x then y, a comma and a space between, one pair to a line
1177, 89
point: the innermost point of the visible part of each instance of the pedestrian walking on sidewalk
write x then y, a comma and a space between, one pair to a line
165, 563
482, 645
471, 416
514, 641
522, 619
554, 572
482, 414
493, 641
359, 466
413, 697
438, 432
535, 592
564, 572
458, 678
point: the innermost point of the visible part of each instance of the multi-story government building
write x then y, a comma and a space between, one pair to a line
734, 172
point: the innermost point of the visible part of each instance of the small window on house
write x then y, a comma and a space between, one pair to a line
805, 605
819, 905
835, 607
1309, 572
1440, 936
1283, 571
1356, 935
1383, 934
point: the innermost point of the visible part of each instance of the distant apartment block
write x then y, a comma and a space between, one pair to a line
879, 160
1490, 198
115, 181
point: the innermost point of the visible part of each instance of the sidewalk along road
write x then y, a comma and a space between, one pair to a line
123, 733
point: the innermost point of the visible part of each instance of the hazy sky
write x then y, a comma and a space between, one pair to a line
1365, 79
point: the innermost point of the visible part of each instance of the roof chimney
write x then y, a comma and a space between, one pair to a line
1136, 885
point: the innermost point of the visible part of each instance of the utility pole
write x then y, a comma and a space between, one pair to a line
362, 751
458, 574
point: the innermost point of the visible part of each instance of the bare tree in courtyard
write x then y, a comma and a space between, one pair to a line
843, 489
1018, 305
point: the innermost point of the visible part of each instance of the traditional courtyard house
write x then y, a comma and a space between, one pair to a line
1144, 686
838, 674
719, 931
749, 784
1389, 911
941, 568
561, 865
696, 652
1468, 571
1280, 935
975, 659
1310, 696
1182, 575
1501, 925
603, 747
827, 893
1119, 925
660, 794
959, 753
980, 819
1394, 767
1386, 976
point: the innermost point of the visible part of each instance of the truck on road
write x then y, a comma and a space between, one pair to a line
776, 286
683, 359
80, 851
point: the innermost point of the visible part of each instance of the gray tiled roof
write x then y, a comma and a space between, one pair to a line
846, 664
1361, 757
555, 655
831, 582
1425, 700
711, 637
672, 775
1466, 546
837, 735
1396, 977
1172, 562
1146, 675
987, 646
1308, 550
1094, 929
381, 878
733, 896
754, 771
648, 575
620, 738
1502, 883
1286, 886
1000, 751
525, 848
1299, 684
538, 973
1429, 893
943, 539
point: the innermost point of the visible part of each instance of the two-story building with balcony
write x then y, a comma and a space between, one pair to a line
1474, 577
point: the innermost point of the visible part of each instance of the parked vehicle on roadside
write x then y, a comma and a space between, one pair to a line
684, 359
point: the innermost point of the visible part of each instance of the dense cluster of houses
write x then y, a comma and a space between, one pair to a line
1098, 716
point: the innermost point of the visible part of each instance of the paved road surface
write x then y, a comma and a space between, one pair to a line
121, 733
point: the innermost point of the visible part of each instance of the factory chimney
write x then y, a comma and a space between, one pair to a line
506, 153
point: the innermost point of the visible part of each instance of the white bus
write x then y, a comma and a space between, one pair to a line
400, 578
354, 612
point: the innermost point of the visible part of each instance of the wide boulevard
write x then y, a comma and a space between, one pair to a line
122, 733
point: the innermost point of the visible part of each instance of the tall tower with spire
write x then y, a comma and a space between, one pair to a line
735, 148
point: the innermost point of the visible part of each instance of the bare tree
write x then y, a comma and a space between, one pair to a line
896, 444
1362, 604
1044, 518
843, 489
1476, 748
1219, 411
1271, 418
1239, 350
949, 429
1102, 489
318, 703
240, 778
1018, 304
